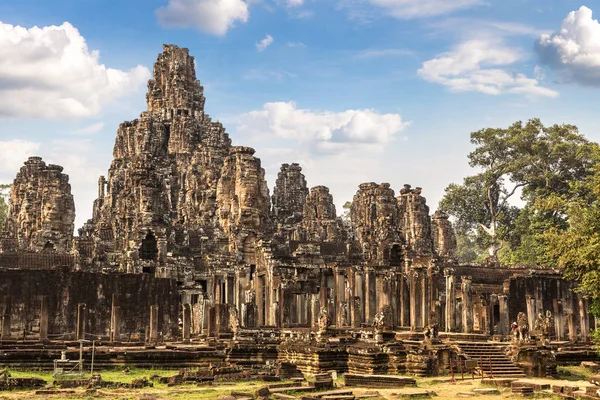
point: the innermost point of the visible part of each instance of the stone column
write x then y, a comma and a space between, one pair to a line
584, 321
81, 317
404, 301
450, 300
115, 320
380, 291
531, 314
6, 316
44, 319
416, 298
314, 309
340, 295
260, 300
572, 325
187, 322
559, 325
467, 302
153, 324
425, 305
370, 305
504, 322
229, 290
359, 292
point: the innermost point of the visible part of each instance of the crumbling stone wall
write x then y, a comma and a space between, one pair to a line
65, 290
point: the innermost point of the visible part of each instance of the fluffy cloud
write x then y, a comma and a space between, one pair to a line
13, 154
294, 3
49, 72
263, 44
475, 65
326, 131
215, 17
336, 149
404, 9
574, 50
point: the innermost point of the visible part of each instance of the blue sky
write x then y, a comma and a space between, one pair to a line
353, 90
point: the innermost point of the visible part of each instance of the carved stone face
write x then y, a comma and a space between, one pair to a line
51, 212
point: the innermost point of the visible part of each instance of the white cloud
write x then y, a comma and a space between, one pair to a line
336, 149
13, 154
215, 17
294, 3
377, 53
404, 9
574, 50
475, 65
324, 131
263, 44
49, 72
295, 44
89, 130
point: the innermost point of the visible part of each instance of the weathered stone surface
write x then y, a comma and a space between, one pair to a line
319, 220
377, 224
243, 202
415, 222
444, 239
42, 210
289, 195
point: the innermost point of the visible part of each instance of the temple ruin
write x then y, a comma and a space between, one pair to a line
185, 243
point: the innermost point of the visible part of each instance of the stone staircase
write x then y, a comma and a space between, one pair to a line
484, 352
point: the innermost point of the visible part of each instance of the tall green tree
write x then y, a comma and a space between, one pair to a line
4, 191
531, 159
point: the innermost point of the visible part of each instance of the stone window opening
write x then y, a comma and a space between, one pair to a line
396, 256
149, 247
49, 246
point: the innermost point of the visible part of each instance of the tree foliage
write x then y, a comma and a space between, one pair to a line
536, 161
4, 190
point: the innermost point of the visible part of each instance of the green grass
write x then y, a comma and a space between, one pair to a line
574, 373
161, 391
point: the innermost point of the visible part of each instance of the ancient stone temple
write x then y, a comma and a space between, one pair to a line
184, 227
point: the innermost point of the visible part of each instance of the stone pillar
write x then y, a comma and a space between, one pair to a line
187, 321
404, 301
425, 305
450, 300
504, 323
81, 317
416, 298
44, 318
559, 325
6, 317
359, 292
340, 295
584, 320
467, 302
314, 310
260, 300
153, 337
572, 325
531, 314
229, 290
115, 320
370, 305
